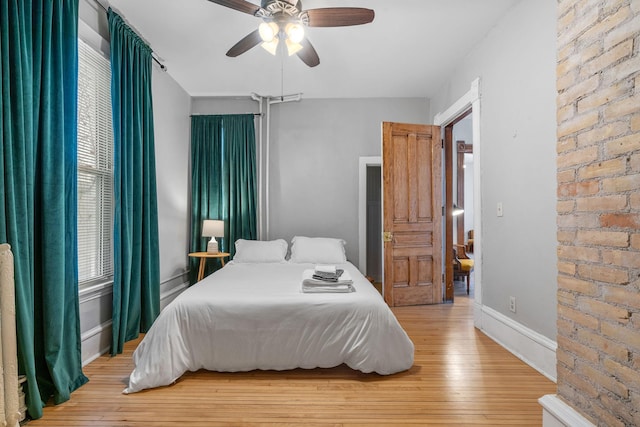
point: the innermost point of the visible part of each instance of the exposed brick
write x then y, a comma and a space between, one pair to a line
603, 96
621, 71
635, 241
595, 340
627, 30
566, 175
603, 380
581, 220
582, 351
583, 188
634, 201
597, 31
566, 298
566, 236
620, 220
579, 253
603, 274
621, 184
599, 134
609, 57
579, 318
622, 107
604, 310
584, 287
634, 162
603, 238
603, 203
626, 144
624, 334
635, 123
565, 51
617, 414
585, 387
566, 112
577, 157
622, 295
567, 268
602, 169
587, 15
622, 372
571, 94
565, 206
565, 358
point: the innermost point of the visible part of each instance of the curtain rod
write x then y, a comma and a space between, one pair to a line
164, 67
228, 114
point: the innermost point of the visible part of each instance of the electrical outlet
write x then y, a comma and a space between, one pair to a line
499, 210
512, 304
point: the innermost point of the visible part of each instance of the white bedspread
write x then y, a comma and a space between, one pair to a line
255, 316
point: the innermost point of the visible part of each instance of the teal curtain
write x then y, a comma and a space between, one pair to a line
38, 107
136, 275
223, 179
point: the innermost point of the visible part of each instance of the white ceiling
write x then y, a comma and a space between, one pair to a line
407, 51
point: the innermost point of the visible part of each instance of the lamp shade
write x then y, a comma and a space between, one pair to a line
212, 228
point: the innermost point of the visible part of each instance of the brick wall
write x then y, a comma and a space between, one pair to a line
598, 114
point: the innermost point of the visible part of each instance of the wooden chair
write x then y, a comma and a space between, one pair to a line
462, 264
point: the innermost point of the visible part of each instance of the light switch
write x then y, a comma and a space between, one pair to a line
499, 209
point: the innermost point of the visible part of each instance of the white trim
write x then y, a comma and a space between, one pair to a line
556, 413
534, 349
95, 342
170, 295
471, 99
364, 162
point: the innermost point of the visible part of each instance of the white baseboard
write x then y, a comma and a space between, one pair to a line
556, 413
96, 342
533, 348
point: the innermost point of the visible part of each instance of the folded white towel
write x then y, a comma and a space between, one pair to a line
326, 269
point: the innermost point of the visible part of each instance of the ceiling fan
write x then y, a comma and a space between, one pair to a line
284, 21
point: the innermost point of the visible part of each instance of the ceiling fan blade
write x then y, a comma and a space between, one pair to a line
250, 40
241, 5
308, 54
339, 16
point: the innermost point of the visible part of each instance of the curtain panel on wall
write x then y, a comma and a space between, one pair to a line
223, 179
136, 275
38, 107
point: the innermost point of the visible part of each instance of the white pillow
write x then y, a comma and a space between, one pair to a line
255, 251
317, 250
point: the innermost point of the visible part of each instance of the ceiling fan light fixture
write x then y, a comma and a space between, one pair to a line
271, 47
295, 32
292, 47
268, 31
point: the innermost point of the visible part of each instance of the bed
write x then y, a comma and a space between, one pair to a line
253, 315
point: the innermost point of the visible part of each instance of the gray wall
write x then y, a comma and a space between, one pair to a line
315, 145
171, 126
516, 66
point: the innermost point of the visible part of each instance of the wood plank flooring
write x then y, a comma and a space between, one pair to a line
460, 377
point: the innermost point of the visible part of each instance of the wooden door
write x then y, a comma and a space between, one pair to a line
412, 211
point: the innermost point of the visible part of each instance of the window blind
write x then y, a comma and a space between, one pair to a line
95, 167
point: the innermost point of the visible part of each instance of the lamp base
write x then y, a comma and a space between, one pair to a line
212, 246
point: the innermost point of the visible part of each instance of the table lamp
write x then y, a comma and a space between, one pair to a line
212, 228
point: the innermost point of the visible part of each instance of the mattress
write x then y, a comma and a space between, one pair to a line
249, 316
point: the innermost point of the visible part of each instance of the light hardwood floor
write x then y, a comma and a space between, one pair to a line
460, 377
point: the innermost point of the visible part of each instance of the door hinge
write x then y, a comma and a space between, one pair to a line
442, 142
443, 211
387, 236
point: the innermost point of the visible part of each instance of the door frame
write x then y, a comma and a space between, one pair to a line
363, 164
471, 100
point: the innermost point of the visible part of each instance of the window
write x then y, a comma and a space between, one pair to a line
95, 168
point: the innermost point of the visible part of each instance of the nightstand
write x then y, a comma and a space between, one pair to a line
203, 259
